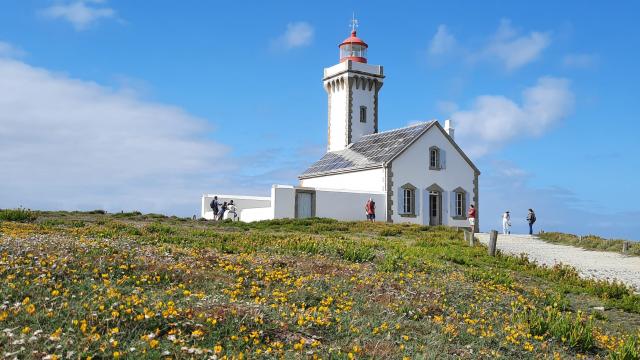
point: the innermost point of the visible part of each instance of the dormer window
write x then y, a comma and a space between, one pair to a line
434, 158
363, 114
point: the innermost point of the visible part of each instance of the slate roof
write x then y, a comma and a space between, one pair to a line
368, 152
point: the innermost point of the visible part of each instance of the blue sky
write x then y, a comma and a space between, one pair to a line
114, 104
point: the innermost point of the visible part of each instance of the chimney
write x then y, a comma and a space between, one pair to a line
449, 128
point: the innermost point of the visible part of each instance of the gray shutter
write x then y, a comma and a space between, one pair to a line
452, 203
445, 200
400, 198
467, 200
443, 159
416, 204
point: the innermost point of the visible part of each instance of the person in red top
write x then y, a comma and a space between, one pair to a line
370, 210
471, 214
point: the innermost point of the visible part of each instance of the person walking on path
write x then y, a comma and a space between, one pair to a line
471, 214
531, 219
215, 206
506, 223
370, 210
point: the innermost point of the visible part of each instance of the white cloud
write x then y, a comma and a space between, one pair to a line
9, 51
515, 50
73, 144
494, 120
80, 13
442, 41
298, 34
581, 61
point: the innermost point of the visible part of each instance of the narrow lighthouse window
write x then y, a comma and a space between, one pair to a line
363, 114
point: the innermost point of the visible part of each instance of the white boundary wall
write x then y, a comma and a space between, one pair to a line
241, 202
349, 205
346, 205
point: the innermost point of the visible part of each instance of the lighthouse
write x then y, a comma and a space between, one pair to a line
352, 88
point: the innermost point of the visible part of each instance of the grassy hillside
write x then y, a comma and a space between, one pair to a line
591, 242
135, 286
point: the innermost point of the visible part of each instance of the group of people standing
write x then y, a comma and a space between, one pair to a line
506, 222
222, 209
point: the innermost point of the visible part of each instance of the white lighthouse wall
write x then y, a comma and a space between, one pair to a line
363, 95
365, 180
338, 99
412, 167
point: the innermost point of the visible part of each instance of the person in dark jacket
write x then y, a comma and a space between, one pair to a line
215, 206
223, 208
531, 219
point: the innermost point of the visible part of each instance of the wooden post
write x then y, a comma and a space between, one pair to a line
493, 238
468, 237
625, 247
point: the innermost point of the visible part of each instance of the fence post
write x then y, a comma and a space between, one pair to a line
625, 247
468, 237
493, 238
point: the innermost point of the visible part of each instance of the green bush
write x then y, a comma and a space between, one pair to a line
127, 214
573, 330
18, 215
629, 350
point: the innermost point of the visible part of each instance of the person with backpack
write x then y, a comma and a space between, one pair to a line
531, 219
215, 206
370, 210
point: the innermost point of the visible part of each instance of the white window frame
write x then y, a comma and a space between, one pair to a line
434, 158
459, 204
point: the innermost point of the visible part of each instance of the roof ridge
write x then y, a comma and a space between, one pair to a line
422, 123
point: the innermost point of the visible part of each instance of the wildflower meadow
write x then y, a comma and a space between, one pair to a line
107, 286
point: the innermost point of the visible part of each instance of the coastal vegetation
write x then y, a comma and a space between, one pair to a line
130, 285
591, 242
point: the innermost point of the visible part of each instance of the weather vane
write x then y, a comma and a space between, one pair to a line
354, 22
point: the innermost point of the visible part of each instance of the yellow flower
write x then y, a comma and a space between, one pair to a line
26, 330
217, 349
153, 343
3, 315
55, 293
197, 333
31, 309
115, 330
116, 355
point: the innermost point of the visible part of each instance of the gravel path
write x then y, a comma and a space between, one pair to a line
590, 264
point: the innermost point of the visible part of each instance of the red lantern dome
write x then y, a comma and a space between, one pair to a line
354, 49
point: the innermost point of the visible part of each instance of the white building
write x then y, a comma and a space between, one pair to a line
415, 174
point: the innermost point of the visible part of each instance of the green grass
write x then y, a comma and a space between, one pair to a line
591, 242
104, 284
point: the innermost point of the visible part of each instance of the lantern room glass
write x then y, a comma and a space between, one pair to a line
353, 50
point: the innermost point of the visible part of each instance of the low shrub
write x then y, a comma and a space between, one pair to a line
127, 214
159, 228
574, 330
628, 350
390, 232
18, 215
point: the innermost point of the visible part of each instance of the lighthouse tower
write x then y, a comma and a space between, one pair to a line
352, 86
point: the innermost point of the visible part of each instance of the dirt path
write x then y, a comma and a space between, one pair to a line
590, 264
